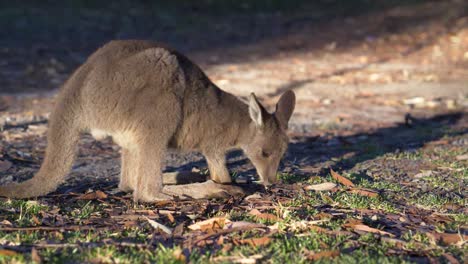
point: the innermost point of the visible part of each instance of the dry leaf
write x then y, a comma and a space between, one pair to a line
35, 256
36, 220
423, 174
323, 254
179, 255
7, 253
264, 216
244, 225
157, 225
210, 224
255, 242
451, 259
170, 217
364, 192
179, 230
351, 222
448, 239
304, 225
323, 215
130, 223
326, 186
318, 229
6, 223
462, 157
341, 179
93, 196
253, 197
4, 165
365, 228
220, 241
238, 259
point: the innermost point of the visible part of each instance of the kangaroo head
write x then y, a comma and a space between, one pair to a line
269, 142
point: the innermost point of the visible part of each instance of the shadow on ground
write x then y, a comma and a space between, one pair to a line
41, 43
313, 154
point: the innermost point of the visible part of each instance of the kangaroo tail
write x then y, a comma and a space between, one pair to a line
63, 135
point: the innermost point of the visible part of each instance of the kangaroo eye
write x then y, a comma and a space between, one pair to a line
265, 154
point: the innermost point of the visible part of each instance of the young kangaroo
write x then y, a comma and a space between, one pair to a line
150, 98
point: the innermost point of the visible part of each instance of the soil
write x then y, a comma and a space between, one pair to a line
380, 76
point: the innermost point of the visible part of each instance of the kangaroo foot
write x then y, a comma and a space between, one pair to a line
204, 190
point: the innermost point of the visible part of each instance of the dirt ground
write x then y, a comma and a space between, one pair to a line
385, 81
352, 74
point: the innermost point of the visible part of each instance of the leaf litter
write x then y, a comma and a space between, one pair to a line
409, 218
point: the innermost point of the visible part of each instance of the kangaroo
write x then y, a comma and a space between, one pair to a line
148, 98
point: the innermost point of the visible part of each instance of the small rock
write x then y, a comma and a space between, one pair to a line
423, 174
326, 186
451, 104
242, 180
414, 101
253, 196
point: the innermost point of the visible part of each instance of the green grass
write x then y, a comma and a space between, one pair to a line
294, 239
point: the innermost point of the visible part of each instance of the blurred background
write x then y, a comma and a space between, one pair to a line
381, 54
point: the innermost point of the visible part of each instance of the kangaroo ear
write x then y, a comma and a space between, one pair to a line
285, 108
256, 110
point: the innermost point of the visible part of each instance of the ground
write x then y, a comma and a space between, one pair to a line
381, 120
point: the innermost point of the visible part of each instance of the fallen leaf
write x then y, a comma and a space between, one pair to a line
93, 196
323, 254
6, 223
170, 217
462, 157
326, 186
220, 241
323, 215
35, 255
423, 174
365, 228
227, 247
255, 242
446, 238
253, 197
351, 222
179, 255
244, 225
341, 179
159, 226
238, 259
264, 216
4, 165
318, 229
179, 230
130, 223
36, 220
451, 259
210, 224
364, 192
7, 253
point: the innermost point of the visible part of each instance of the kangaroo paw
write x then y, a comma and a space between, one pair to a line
204, 190
142, 197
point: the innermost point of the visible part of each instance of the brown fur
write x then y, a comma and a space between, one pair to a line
150, 98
